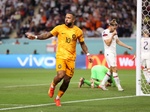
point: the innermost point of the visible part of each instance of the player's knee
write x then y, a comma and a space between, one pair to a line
60, 74
67, 79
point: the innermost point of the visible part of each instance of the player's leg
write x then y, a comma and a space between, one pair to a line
148, 74
144, 67
70, 65
145, 73
112, 81
115, 72
92, 83
109, 57
148, 71
116, 78
87, 82
62, 89
84, 81
60, 68
106, 78
93, 77
97, 83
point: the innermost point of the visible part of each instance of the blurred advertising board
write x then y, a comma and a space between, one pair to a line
35, 61
123, 61
48, 61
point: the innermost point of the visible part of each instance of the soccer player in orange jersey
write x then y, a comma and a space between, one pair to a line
67, 35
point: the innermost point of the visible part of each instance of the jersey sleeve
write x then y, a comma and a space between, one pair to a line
105, 35
55, 31
116, 36
80, 36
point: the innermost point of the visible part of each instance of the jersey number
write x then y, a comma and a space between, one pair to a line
68, 40
145, 45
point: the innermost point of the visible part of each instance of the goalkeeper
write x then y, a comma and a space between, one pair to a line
97, 74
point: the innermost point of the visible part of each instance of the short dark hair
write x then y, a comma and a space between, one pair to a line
71, 14
113, 22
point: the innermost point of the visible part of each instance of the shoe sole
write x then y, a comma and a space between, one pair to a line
57, 105
121, 90
80, 83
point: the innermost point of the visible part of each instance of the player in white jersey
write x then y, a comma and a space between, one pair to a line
110, 39
145, 55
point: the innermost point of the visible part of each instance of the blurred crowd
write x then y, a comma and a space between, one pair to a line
13, 13
92, 16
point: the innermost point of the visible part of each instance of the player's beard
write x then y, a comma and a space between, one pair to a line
68, 24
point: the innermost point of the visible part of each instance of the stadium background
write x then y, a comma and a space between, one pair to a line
25, 90
37, 16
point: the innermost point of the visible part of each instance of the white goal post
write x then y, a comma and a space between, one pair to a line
143, 20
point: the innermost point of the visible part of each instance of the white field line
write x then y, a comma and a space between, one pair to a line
75, 101
15, 86
12, 104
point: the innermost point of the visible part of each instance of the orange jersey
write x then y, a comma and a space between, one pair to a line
67, 40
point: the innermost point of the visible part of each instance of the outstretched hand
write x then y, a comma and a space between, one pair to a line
130, 48
30, 36
90, 58
133, 58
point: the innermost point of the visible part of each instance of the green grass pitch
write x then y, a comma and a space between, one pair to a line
25, 90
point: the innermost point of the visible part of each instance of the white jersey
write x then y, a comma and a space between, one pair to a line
145, 48
110, 51
107, 35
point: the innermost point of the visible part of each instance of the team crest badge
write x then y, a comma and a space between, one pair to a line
59, 66
73, 37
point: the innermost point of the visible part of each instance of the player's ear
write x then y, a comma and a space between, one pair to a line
74, 19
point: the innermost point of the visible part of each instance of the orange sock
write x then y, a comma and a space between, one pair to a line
60, 93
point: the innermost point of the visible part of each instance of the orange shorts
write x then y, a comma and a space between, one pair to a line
66, 65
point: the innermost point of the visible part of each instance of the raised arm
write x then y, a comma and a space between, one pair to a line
123, 44
109, 41
42, 36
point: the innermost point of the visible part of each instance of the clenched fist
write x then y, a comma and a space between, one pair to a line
30, 36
